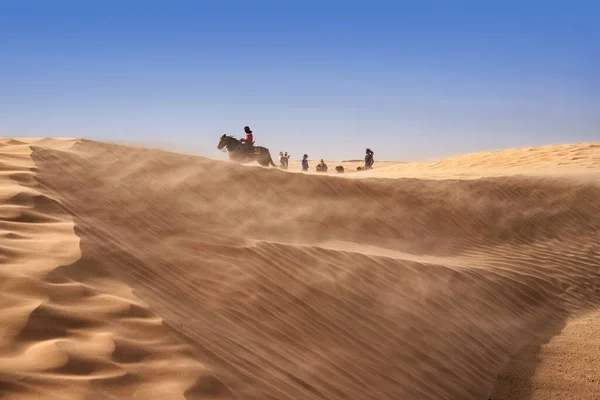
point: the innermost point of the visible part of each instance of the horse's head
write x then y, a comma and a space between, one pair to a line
222, 142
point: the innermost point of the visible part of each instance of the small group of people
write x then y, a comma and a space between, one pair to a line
284, 159
322, 167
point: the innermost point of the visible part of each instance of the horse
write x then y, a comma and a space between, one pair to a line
237, 152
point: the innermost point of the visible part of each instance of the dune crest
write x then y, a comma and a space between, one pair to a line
204, 279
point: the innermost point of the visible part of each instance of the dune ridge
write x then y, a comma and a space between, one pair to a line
292, 286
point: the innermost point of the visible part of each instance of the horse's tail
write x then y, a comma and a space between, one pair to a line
271, 163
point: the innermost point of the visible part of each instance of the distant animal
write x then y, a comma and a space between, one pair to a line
242, 155
339, 169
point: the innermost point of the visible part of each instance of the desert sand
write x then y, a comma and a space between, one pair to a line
133, 273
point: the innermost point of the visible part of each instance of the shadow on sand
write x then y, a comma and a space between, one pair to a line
516, 381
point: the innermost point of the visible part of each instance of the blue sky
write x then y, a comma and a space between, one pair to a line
410, 79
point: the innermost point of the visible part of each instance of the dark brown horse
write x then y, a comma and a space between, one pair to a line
245, 155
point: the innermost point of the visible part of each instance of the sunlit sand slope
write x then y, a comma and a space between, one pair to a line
580, 160
69, 330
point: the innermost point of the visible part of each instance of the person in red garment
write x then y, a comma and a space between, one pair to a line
247, 143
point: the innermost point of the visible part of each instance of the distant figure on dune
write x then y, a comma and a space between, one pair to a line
322, 167
286, 158
305, 163
339, 169
369, 161
281, 160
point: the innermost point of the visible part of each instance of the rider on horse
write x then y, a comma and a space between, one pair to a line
249, 141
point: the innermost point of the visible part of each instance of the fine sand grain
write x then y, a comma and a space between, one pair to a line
136, 273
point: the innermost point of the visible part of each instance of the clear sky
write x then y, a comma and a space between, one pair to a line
410, 79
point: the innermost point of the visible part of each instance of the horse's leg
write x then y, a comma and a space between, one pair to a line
264, 159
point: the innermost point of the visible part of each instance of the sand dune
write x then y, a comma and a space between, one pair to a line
68, 329
137, 273
582, 160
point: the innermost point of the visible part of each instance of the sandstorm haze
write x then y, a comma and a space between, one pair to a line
138, 261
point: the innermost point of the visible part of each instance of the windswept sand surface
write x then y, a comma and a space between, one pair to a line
133, 273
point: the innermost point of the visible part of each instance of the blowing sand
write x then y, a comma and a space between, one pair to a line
141, 274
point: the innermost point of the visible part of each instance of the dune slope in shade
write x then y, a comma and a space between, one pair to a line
68, 330
290, 286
